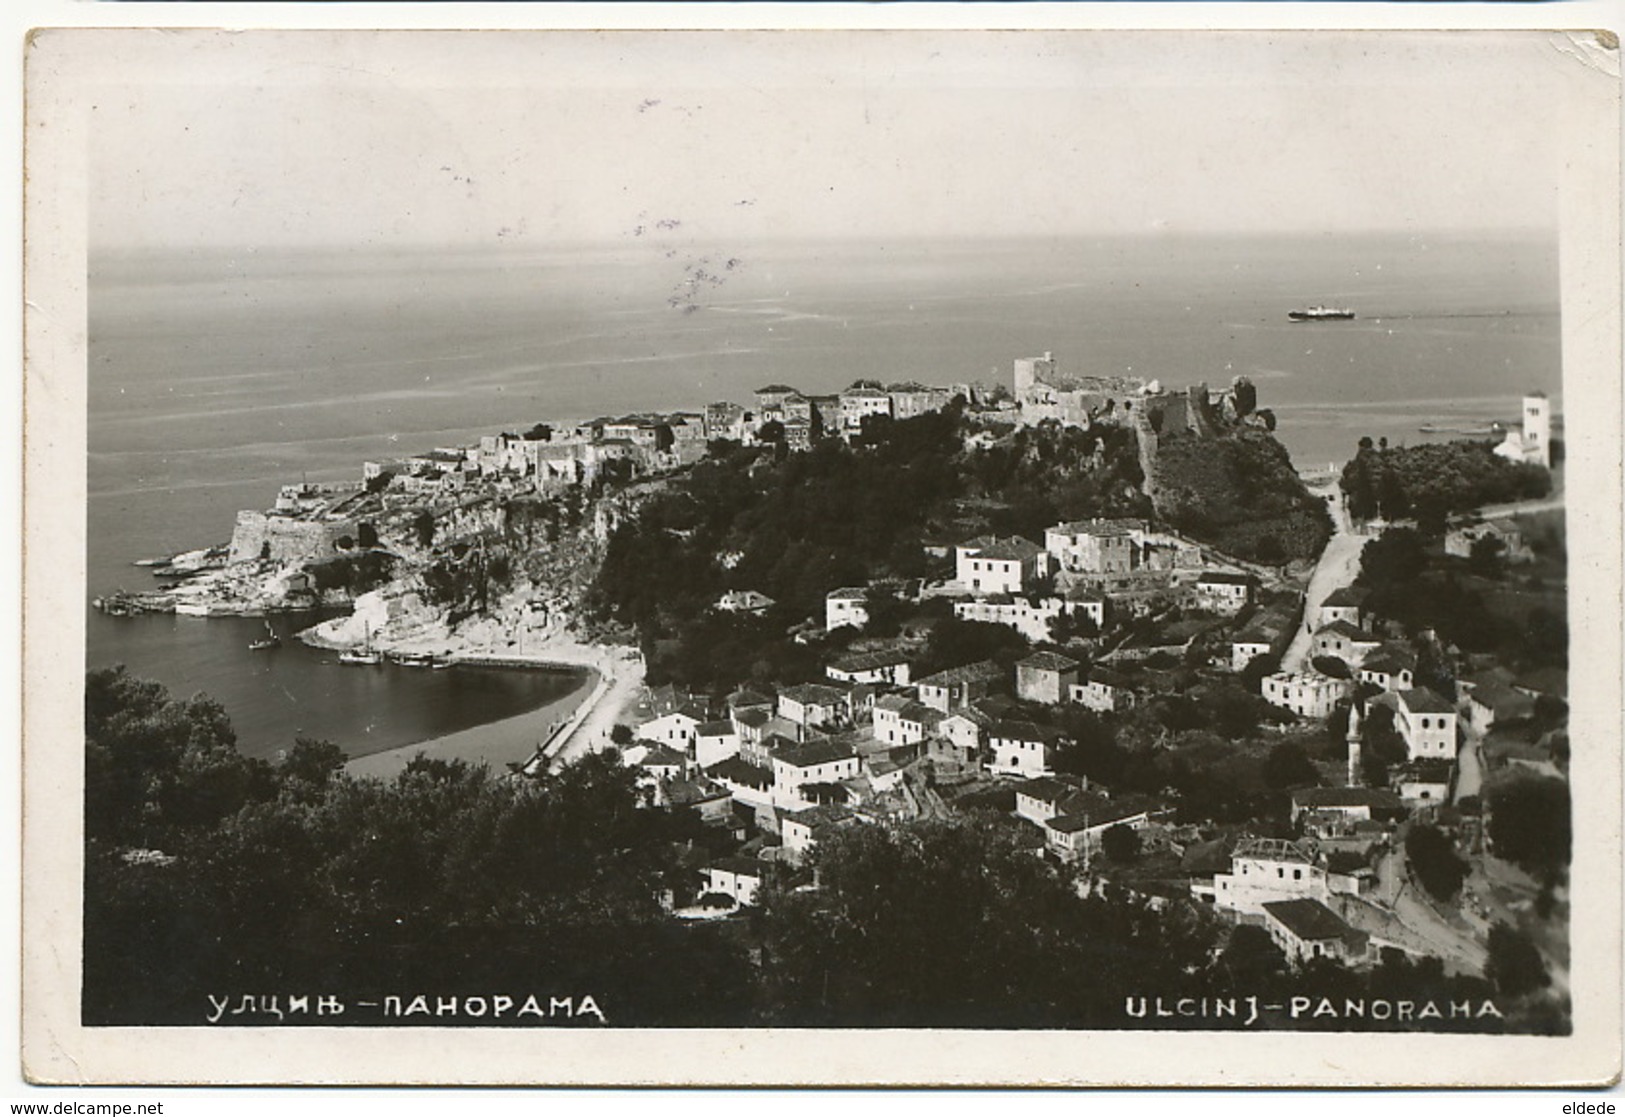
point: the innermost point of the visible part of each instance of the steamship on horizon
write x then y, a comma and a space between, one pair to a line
1318, 313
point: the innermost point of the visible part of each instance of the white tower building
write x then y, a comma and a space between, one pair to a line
1537, 429
1533, 443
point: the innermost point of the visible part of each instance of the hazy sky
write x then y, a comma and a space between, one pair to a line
267, 138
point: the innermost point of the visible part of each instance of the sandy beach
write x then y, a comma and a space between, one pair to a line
569, 728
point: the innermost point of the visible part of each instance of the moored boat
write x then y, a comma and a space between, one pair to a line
366, 654
270, 640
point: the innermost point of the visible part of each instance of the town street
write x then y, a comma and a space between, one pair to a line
1399, 893
1338, 564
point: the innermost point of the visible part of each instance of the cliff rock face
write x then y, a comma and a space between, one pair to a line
469, 572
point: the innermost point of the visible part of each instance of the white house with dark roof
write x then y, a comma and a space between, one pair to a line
1021, 748
751, 784
736, 877
748, 722
989, 564
1342, 640
1040, 799
1104, 690
1422, 783
1221, 591
677, 729
1305, 929
800, 831
825, 761
1075, 833
1497, 704
958, 686
870, 667
1033, 616
656, 764
1344, 604
964, 735
847, 607
1045, 677
1247, 646
900, 720
813, 704
715, 741
1426, 722
1392, 667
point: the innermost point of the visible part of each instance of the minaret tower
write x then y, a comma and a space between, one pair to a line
1353, 739
1537, 429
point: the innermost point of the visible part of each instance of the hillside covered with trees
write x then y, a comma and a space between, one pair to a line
1433, 480
795, 526
1239, 492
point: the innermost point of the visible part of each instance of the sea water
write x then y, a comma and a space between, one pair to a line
216, 376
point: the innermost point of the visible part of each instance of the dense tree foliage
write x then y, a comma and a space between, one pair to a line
1423, 591
1240, 492
1381, 745
796, 529
1514, 965
296, 876
1287, 765
1530, 823
1434, 860
1120, 843
1047, 473
1431, 480
1397, 555
953, 643
958, 925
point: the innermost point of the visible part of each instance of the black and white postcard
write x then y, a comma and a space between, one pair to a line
822, 557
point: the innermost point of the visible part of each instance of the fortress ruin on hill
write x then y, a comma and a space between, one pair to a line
1043, 393
318, 523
